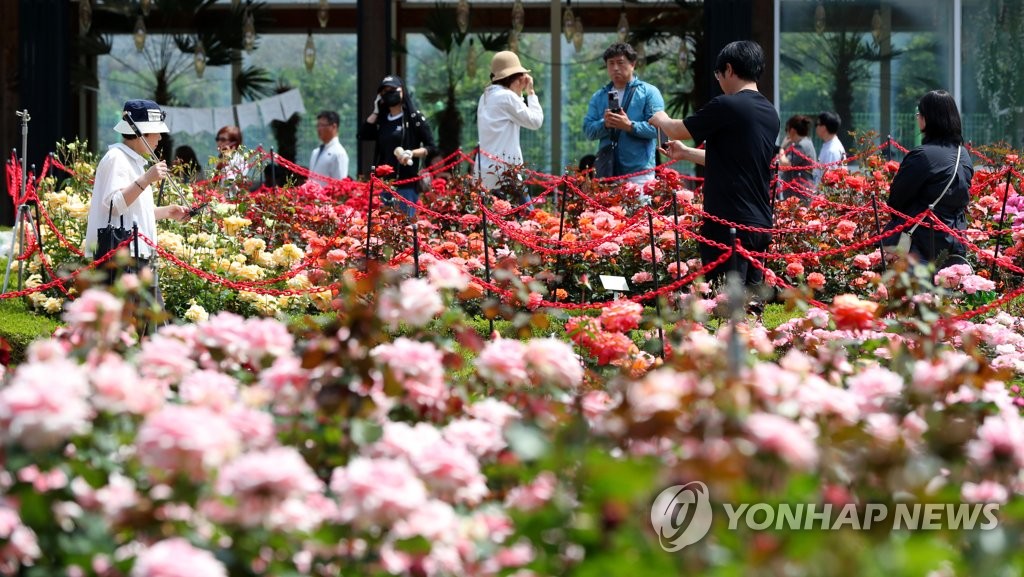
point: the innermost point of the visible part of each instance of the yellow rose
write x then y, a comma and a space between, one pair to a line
254, 245
299, 282
196, 313
53, 305
234, 224
288, 254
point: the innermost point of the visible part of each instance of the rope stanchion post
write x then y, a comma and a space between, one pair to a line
561, 227
654, 273
675, 222
888, 147
733, 266
416, 249
369, 220
1002, 223
878, 228
487, 262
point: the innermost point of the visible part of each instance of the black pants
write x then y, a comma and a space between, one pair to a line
752, 241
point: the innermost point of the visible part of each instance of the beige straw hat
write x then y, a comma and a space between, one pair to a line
505, 64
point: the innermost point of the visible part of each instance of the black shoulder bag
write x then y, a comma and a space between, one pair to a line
108, 237
606, 162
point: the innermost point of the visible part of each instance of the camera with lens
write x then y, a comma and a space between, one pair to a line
613, 101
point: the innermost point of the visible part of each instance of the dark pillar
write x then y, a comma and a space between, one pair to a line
9, 101
373, 27
725, 21
45, 75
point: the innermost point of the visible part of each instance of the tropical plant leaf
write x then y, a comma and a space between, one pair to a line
254, 82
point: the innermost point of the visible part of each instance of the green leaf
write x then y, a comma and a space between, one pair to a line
365, 432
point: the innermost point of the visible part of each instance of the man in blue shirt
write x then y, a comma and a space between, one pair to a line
624, 131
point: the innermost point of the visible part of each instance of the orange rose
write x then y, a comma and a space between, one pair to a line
851, 313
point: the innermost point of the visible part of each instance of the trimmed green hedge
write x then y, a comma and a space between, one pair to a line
20, 327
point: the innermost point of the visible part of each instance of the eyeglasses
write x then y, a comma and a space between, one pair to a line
917, 114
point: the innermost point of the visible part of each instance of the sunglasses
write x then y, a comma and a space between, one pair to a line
224, 139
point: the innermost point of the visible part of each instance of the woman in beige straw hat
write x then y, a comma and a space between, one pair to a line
501, 112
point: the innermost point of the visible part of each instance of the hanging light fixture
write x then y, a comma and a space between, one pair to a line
513, 41
471, 59
568, 22
309, 53
139, 33
876, 26
577, 34
322, 14
819, 18
683, 57
641, 56
199, 58
518, 16
248, 28
145, 5
623, 27
462, 16
84, 16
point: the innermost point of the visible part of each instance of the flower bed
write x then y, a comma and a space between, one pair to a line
389, 437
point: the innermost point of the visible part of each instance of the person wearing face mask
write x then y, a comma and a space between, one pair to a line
508, 104
402, 136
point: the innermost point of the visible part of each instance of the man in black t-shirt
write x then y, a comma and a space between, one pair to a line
738, 129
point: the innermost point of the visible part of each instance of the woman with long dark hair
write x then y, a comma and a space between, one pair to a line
936, 175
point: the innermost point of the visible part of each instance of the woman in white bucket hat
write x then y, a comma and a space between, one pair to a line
501, 112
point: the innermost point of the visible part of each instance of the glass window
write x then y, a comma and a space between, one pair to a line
869, 61
992, 86
126, 73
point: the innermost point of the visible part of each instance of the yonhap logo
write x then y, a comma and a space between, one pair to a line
681, 515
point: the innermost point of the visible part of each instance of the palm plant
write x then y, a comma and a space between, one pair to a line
443, 34
171, 56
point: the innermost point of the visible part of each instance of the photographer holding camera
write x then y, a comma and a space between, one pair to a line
618, 114
402, 136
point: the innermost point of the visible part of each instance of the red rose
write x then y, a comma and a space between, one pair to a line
383, 170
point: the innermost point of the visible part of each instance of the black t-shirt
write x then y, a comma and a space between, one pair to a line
739, 132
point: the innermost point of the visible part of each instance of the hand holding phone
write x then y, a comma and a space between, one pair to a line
197, 209
613, 102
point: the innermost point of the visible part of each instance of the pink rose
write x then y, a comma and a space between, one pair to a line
176, 557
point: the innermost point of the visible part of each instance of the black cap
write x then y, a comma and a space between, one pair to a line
390, 80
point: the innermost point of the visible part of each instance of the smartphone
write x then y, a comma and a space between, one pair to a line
613, 101
197, 209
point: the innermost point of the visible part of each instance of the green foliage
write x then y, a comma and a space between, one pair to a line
19, 326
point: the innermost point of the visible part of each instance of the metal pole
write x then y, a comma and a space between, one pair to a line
878, 229
273, 169
654, 271
416, 249
888, 147
487, 263
732, 257
561, 227
675, 220
369, 219
1002, 218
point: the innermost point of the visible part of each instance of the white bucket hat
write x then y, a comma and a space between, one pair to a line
145, 114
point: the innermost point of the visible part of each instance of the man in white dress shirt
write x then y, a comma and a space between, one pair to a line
330, 158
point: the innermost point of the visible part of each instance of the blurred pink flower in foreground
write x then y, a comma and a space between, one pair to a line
177, 558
